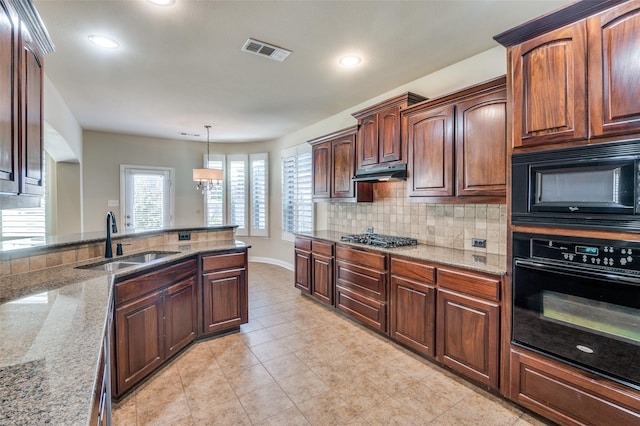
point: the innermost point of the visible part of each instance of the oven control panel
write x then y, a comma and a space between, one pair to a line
624, 255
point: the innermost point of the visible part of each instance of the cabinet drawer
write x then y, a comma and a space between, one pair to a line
569, 398
223, 261
154, 280
366, 281
370, 312
361, 257
302, 244
322, 247
470, 283
413, 270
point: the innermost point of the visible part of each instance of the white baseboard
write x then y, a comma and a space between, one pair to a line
271, 261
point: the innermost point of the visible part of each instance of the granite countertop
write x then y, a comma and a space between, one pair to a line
52, 323
472, 260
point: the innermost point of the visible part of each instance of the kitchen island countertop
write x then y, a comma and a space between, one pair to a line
52, 324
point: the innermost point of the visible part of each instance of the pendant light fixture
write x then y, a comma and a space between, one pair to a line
207, 178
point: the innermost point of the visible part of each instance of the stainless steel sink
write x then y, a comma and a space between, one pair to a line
127, 261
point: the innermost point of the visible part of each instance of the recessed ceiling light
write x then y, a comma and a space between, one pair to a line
103, 41
163, 2
350, 61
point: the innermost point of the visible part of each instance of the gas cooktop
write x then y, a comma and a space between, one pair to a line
379, 240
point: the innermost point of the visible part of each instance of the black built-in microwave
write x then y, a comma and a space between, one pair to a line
592, 186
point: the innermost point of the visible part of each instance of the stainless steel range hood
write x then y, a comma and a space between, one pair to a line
381, 174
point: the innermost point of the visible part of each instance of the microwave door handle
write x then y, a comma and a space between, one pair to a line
577, 271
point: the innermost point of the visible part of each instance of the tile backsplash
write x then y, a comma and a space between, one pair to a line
444, 225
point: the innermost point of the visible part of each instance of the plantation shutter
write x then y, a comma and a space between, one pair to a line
259, 194
238, 192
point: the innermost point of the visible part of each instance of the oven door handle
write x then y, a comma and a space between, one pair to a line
575, 270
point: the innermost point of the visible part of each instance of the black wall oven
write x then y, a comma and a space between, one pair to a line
593, 187
578, 300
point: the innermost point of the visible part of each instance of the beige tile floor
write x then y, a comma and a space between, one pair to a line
297, 363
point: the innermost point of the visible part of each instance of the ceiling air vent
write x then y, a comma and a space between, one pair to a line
264, 49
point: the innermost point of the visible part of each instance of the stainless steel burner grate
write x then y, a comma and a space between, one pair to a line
379, 240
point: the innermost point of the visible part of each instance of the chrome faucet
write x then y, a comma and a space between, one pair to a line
108, 253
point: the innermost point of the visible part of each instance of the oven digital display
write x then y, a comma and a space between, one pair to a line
591, 251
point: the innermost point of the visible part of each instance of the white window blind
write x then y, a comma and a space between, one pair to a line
259, 174
238, 192
214, 198
297, 204
147, 202
24, 223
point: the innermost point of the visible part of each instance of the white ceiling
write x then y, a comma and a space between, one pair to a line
180, 67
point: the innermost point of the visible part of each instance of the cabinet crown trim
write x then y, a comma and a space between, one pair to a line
553, 20
349, 131
408, 97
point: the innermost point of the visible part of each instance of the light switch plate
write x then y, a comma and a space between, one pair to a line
113, 203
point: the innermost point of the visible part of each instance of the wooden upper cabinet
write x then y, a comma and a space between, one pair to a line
430, 152
614, 75
9, 175
368, 142
321, 163
379, 141
333, 158
549, 87
389, 145
343, 167
481, 145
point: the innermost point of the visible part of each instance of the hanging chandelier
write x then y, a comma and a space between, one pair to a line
206, 178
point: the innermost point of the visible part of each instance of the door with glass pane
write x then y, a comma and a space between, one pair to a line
148, 198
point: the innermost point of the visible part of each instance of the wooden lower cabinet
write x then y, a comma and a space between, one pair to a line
361, 286
468, 324
224, 292
468, 336
140, 345
157, 312
569, 396
413, 305
180, 316
314, 266
302, 262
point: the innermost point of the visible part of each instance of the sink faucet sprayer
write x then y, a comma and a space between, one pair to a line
108, 253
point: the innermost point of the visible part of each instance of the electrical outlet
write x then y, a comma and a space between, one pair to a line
369, 230
478, 242
184, 236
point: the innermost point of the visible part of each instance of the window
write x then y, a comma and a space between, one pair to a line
297, 205
146, 198
259, 194
16, 224
242, 198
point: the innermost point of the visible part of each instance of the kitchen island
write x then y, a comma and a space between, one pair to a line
54, 321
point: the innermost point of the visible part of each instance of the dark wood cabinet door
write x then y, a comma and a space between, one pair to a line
323, 287
412, 308
549, 87
367, 141
481, 145
181, 319
343, 167
223, 294
430, 153
468, 332
389, 135
32, 130
614, 48
321, 170
139, 339
303, 270
9, 174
